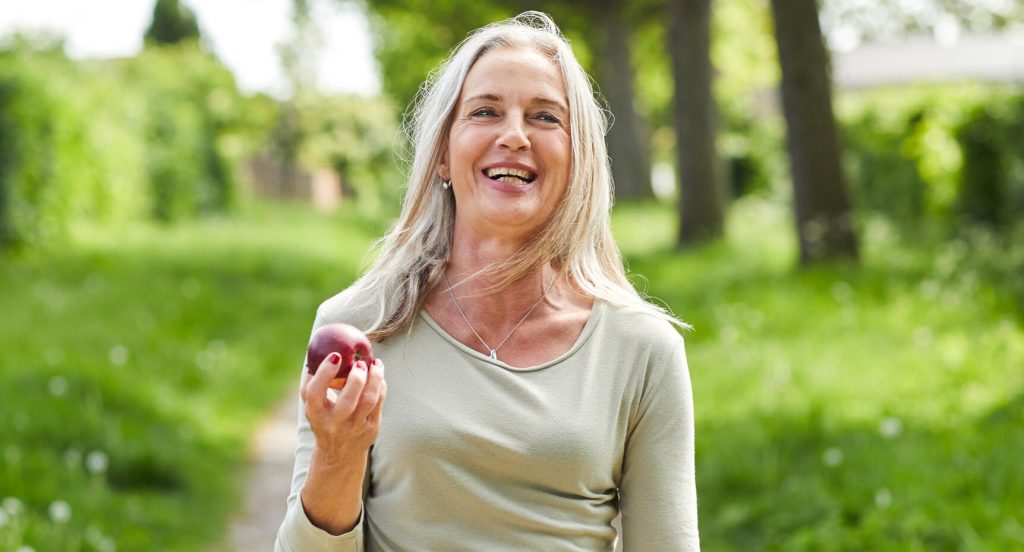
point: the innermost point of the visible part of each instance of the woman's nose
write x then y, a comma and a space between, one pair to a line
513, 134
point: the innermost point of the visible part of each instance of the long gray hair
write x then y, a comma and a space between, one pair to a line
577, 239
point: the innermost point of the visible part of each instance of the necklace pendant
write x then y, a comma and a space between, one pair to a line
494, 354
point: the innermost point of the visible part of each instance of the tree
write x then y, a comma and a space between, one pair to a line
701, 202
823, 211
172, 23
627, 139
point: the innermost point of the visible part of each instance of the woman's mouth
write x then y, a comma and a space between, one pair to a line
510, 175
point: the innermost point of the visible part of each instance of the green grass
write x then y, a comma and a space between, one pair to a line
878, 407
871, 407
148, 354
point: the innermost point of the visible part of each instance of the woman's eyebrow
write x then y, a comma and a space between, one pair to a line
488, 97
550, 103
539, 100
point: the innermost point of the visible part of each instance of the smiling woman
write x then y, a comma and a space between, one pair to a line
538, 396
509, 148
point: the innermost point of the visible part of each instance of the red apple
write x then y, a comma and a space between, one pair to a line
343, 339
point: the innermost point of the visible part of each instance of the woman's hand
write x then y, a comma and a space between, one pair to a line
344, 428
347, 426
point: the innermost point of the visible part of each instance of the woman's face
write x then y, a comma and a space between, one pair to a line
509, 148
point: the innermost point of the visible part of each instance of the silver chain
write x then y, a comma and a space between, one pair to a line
494, 350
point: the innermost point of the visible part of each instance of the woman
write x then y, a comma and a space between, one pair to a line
532, 395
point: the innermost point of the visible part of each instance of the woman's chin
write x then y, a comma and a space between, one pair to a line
512, 214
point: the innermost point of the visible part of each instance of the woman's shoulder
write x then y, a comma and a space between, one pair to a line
632, 324
352, 306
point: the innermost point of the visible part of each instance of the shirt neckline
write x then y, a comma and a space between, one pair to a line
592, 319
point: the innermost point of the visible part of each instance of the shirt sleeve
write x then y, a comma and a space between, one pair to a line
658, 490
297, 533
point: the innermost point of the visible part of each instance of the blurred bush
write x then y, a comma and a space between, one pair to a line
192, 104
112, 140
33, 122
356, 138
991, 139
951, 155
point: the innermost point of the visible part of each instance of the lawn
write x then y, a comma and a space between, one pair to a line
878, 407
872, 407
136, 363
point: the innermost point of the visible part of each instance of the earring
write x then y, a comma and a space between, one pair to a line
446, 184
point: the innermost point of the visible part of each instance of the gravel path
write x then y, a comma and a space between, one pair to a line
270, 478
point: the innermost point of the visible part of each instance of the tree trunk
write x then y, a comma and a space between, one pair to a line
701, 202
628, 144
823, 213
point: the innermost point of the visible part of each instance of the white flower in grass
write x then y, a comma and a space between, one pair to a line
12, 505
832, 457
883, 498
97, 462
118, 355
58, 386
25, 548
890, 427
60, 511
3, 518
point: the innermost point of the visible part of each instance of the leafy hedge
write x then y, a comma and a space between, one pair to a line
137, 138
949, 154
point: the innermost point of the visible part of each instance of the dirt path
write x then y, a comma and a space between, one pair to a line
270, 478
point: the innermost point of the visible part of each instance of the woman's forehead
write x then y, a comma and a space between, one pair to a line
515, 70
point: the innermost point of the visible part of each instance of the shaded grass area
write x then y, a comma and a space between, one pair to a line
136, 363
878, 407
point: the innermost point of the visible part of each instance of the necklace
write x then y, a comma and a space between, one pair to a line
494, 350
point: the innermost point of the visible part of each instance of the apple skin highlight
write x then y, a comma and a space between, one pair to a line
343, 339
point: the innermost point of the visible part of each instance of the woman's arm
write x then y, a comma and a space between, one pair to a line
658, 492
325, 504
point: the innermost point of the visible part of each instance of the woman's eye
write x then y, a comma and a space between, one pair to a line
484, 112
548, 118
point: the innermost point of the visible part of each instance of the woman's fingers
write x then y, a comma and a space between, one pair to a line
348, 397
314, 389
375, 414
372, 393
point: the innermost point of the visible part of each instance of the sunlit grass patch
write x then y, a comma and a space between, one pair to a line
137, 362
846, 407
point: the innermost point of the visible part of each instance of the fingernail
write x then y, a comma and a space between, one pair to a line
333, 358
361, 365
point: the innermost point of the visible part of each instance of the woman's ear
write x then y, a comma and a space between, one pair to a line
443, 170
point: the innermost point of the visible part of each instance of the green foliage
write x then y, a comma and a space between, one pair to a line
191, 105
47, 171
157, 135
992, 178
26, 130
884, 178
137, 362
873, 407
414, 36
948, 154
357, 138
172, 23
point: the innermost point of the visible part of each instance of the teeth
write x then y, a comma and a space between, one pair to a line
508, 171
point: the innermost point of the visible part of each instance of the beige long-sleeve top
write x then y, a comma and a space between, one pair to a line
473, 454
